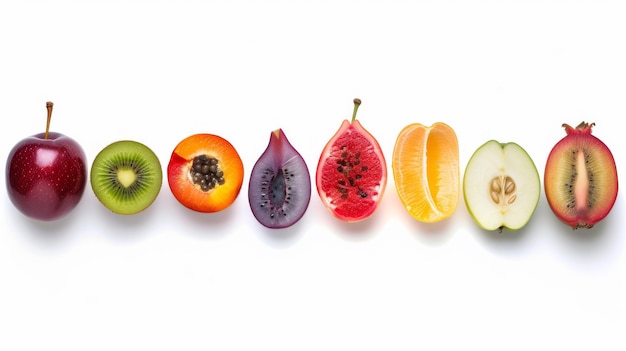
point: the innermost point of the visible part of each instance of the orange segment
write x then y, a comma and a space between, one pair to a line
425, 165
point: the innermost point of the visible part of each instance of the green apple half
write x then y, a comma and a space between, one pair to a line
501, 186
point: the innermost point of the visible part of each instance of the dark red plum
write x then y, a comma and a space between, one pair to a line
46, 174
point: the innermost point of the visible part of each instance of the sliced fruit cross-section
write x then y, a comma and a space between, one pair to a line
425, 167
501, 186
351, 172
126, 177
279, 190
580, 178
205, 173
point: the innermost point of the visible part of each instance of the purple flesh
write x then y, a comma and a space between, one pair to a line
280, 185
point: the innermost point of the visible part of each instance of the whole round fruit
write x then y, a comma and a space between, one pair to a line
46, 174
279, 190
580, 178
501, 186
205, 173
351, 172
126, 177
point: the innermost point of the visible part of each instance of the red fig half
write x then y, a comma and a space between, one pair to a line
580, 178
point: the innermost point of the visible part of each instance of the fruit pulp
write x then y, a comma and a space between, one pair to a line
126, 177
425, 167
279, 190
205, 173
352, 173
501, 186
580, 178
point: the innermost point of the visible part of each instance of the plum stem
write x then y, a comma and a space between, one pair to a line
49, 105
357, 103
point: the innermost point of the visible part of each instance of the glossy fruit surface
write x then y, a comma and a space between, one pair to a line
205, 173
425, 165
279, 190
580, 178
351, 173
46, 174
126, 177
501, 186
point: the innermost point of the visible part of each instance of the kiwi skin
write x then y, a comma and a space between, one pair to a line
126, 177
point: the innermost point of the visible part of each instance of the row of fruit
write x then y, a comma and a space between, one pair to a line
46, 176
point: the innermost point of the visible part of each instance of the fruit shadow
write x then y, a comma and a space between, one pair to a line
599, 232
508, 241
435, 233
601, 241
127, 227
504, 235
206, 225
431, 233
358, 231
501, 236
594, 243
48, 233
283, 237
585, 236
60, 231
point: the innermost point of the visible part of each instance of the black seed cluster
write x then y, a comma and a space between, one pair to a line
205, 171
351, 168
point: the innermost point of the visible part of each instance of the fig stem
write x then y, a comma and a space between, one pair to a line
49, 105
357, 103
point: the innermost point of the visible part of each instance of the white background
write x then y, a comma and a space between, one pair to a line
172, 279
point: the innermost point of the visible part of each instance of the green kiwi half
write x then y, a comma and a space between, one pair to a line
126, 177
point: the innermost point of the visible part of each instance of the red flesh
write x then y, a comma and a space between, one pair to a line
353, 207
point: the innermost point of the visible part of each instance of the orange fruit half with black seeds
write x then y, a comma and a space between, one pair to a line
205, 173
426, 172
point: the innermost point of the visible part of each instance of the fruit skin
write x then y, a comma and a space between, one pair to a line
280, 155
139, 201
46, 177
189, 194
573, 204
46, 174
358, 203
495, 161
426, 173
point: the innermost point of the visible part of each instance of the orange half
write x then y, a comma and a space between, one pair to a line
426, 172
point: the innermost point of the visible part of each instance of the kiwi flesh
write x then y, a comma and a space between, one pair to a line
580, 178
126, 177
